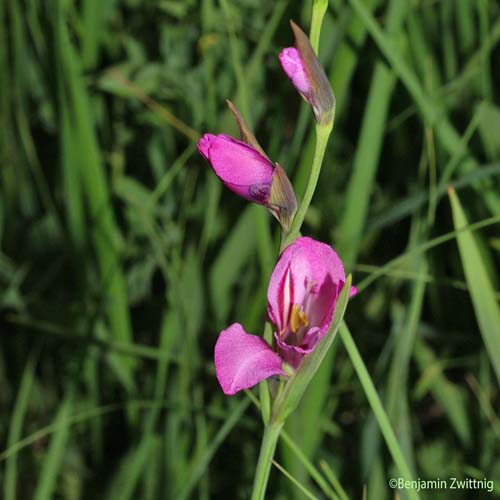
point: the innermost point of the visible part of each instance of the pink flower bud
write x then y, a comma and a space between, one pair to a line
240, 167
308, 76
247, 172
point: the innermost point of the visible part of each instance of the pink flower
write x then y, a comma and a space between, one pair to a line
250, 174
239, 166
302, 66
301, 298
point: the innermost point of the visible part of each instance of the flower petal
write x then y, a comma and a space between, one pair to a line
293, 354
293, 66
323, 260
305, 266
204, 145
288, 285
243, 360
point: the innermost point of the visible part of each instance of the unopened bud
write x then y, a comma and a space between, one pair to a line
302, 66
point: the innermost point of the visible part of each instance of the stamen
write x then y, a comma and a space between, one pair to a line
298, 318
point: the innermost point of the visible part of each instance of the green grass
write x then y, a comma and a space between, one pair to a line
122, 257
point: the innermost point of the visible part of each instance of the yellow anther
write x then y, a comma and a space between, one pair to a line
298, 318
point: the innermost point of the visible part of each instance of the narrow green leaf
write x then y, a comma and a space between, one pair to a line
368, 150
298, 484
480, 287
379, 411
130, 471
15, 428
54, 459
431, 110
200, 465
449, 395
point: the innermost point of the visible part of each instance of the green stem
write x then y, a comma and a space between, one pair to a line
322, 136
318, 13
269, 440
273, 429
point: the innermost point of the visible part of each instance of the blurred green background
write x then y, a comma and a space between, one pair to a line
122, 257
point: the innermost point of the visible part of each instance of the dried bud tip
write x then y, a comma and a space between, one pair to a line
245, 132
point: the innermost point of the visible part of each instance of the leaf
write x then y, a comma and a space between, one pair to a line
53, 460
481, 289
130, 471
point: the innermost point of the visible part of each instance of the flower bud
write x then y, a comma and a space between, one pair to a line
302, 66
245, 169
240, 167
250, 174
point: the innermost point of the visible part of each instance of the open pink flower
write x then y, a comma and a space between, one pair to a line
301, 301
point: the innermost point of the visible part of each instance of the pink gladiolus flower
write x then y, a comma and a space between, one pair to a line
239, 166
301, 299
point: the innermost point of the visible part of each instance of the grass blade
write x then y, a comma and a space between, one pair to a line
15, 427
54, 458
480, 287
378, 409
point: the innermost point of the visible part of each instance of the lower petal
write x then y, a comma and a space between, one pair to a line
293, 354
243, 360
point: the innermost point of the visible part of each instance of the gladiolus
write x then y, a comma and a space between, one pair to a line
301, 298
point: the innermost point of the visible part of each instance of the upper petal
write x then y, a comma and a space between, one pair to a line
328, 276
323, 260
243, 360
288, 284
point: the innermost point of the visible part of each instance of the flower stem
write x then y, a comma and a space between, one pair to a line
273, 429
322, 136
269, 440
318, 13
